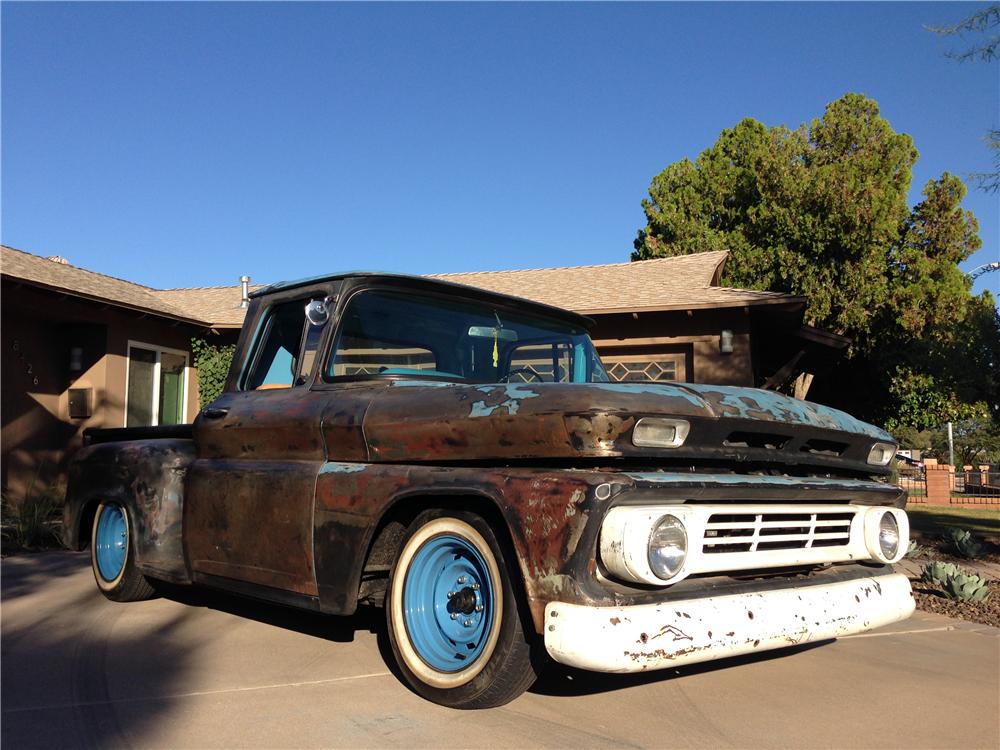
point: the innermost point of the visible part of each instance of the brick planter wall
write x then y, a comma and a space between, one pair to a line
940, 480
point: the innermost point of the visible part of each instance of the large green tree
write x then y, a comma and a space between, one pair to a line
822, 211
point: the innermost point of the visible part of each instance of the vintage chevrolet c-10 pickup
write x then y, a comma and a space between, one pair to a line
462, 459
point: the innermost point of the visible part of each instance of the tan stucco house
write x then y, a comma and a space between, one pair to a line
82, 349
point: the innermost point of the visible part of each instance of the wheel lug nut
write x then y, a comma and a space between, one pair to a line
454, 615
479, 608
462, 579
468, 623
451, 594
475, 587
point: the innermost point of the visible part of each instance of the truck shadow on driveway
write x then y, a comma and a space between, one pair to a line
556, 680
561, 681
331, 628
335, 628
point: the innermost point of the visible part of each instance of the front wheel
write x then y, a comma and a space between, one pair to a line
453, 616
112, 556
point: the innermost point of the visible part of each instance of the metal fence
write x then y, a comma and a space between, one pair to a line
973, 483
914, 483
980, 483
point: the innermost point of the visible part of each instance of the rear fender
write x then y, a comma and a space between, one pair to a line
145, 476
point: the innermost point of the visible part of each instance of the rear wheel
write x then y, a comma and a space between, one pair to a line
453, 616
112, 556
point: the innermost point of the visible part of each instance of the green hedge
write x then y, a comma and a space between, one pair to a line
213, 363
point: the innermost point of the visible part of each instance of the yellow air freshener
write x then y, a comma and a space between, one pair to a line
496, 352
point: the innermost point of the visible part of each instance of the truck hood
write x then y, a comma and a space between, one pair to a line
462, 422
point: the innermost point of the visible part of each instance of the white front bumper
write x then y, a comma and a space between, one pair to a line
655, 636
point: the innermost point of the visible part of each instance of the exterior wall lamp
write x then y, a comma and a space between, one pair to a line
726, 341
75, 358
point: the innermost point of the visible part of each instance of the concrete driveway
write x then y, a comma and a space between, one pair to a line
200, 670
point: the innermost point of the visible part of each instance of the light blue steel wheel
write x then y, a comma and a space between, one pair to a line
448, 603
111, 542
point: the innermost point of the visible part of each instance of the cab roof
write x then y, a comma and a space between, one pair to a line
423, 283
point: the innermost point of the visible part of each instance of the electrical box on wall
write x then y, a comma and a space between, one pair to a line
79, 403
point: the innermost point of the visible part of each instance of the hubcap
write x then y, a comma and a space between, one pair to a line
448, 603
111, 542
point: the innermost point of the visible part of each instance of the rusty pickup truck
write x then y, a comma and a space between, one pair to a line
462, 459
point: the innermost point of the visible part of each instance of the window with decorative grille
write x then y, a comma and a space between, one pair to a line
645, 367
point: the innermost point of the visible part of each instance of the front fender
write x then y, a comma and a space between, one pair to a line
145, 476
551, 517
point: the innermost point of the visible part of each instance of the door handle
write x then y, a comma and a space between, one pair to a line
214, 412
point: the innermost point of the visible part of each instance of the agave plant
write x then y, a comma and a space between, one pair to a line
965, 544
915, 550
967, 587
939, 572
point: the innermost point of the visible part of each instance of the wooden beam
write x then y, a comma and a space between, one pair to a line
785, 374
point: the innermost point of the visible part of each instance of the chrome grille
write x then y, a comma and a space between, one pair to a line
759, 532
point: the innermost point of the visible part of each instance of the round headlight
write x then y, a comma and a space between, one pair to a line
667, 547
888, 535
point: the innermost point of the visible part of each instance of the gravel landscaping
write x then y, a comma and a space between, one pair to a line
931, 598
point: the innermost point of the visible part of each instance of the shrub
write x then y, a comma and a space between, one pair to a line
212, 362
915, 550
33, 520
964, 544
938, 572
967, 587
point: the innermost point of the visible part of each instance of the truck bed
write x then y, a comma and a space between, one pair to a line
95, 435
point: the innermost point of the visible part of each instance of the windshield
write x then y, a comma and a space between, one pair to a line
388, 333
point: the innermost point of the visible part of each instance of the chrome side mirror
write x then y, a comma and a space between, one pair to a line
317, 312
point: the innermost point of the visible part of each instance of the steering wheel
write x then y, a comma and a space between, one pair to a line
521, 370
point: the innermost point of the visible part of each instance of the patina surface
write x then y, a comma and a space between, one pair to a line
146, 476
418, 420
304, 491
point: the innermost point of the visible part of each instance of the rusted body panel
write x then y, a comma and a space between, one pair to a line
249, 514
147, 476
259, 425
553, 516
547, 513
411, 421
421, 421
286, 491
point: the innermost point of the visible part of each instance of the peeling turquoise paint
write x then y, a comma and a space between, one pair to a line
515, 394
752, 403
513, 390
335, 467
668, 391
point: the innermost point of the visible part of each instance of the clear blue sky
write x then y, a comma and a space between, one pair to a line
185, 144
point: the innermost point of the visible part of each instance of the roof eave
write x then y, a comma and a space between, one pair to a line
103, 300
790, 301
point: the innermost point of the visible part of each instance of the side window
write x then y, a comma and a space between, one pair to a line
310, 346
285, 349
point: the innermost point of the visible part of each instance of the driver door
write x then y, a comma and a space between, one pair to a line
248, 515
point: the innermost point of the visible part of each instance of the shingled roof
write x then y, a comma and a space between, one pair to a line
220, 305
680, 283
684, 282
58, 275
